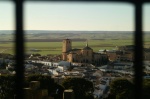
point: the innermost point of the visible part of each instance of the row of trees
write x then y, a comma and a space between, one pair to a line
82, 88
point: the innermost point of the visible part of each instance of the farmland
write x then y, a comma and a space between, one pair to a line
55, 47
51, 43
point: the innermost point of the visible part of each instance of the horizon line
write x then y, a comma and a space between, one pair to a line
77, 30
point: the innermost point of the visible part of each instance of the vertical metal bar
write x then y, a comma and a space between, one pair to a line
19, 45
138, 63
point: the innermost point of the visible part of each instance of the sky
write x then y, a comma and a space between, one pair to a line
74, 16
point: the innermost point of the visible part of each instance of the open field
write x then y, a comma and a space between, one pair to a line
45, 43
56, 47
45, 48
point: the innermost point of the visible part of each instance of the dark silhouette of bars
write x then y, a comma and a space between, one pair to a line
138, 41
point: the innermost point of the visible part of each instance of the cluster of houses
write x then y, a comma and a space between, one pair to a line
120, 65
100, 76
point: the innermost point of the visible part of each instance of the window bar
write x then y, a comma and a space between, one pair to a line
19, 45
138, 52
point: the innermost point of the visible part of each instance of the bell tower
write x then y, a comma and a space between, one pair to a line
67, 45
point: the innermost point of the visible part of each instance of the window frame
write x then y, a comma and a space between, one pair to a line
138, 42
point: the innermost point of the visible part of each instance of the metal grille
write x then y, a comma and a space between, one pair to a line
138, 41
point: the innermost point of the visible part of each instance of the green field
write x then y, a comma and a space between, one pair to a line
56, 47
51, 43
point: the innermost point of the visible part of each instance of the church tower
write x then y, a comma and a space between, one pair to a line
67, 45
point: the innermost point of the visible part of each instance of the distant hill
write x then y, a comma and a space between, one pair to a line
40, 31
45, 35
6, 31
63, 31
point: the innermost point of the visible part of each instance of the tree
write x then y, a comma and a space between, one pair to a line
111, 96
7, 86
146, 89
126, 94
3, 65
89, 96
122, 89
82, 88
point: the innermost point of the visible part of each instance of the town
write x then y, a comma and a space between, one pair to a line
100, 67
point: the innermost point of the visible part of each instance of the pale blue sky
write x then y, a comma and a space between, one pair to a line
74, 16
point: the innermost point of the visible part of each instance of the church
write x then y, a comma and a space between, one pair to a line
84, 55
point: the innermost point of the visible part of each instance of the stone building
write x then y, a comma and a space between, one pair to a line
123, 53
84, 55
35, 92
